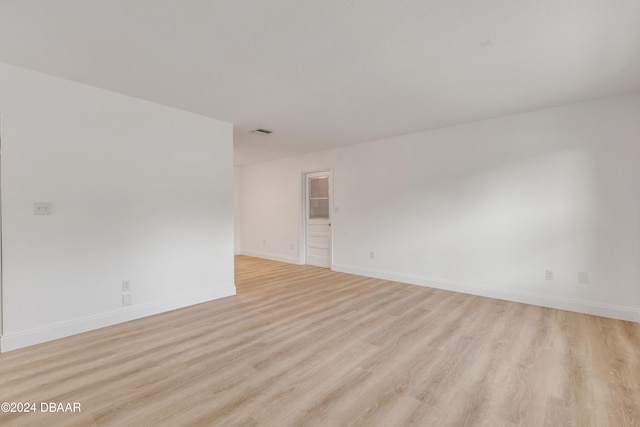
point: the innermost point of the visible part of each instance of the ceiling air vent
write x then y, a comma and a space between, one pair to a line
260, 131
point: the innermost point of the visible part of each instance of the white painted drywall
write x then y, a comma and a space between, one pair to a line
237, 208
483, 208
139, 191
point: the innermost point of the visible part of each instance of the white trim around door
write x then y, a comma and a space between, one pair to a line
317, 211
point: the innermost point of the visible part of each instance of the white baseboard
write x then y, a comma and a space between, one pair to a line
17, 340
273, 257
580, 306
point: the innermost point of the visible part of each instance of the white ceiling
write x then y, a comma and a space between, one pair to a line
327, 73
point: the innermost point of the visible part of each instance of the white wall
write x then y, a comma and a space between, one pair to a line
237, 208
483, 208
139, 191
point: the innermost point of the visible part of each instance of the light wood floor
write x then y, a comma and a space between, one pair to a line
306, 346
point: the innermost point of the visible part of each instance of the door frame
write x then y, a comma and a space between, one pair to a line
302, 244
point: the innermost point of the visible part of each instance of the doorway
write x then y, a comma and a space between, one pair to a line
317, 218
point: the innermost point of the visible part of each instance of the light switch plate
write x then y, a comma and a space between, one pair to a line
42, 208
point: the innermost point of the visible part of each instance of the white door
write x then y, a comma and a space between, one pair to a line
318, 219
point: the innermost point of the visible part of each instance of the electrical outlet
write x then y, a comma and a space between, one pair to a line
292, 246
549, 275
126, 286
126, 300
264, 242
372, 255
583, 277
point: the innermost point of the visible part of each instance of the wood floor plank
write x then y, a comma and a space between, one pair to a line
302, 345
